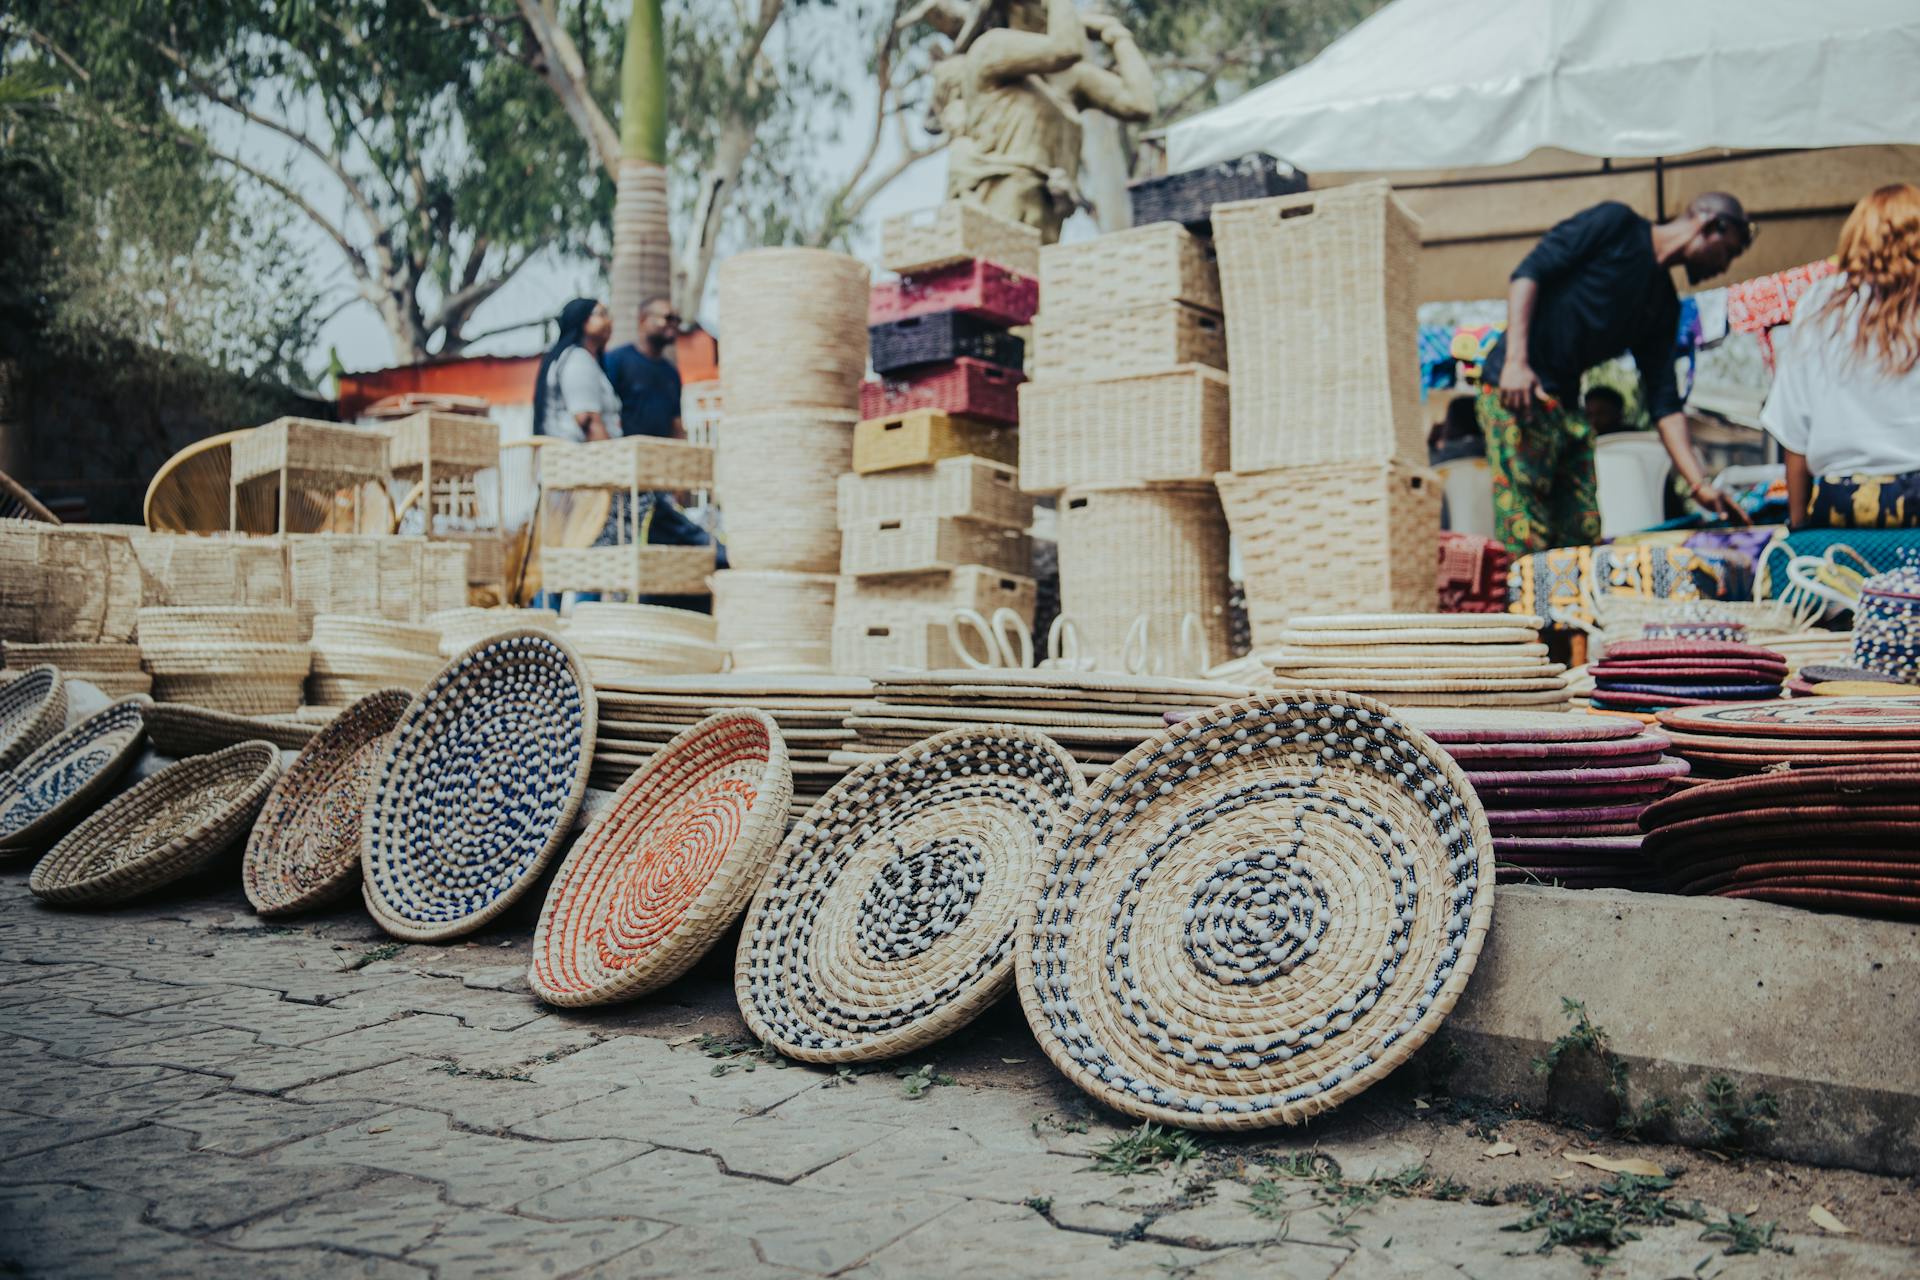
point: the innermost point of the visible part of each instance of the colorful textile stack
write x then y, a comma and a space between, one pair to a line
1886, 628
1808, 648
1642, 676
1423, 659
1473, 573
1563, 584
1749, 837
1563, 794
1865, 734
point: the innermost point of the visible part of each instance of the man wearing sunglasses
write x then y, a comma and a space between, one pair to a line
1598, 284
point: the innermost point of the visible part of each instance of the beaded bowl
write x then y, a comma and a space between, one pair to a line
52, 788
478, 788
1254, 916
305, 848
33, 706
887, 919
668, 867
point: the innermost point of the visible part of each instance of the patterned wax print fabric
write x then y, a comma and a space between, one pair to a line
1473, 574
1760, 306
1559, 584
1865, 502
1544, 494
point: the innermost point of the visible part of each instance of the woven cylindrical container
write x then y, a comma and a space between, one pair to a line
60, 584
165, 629
775, 477
465, 627
773, 608
796, 326
210, 569
1156, 553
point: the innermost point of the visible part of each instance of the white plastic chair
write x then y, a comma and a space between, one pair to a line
1469, 491
1631, 470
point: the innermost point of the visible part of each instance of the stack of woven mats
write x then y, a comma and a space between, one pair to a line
1837, 680
1643, 676
1737, 738
1563, 794
1424, 659
1843, 839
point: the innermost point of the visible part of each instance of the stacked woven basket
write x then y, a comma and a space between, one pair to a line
1424, 660
461, 629
248, 660
353, 657
623, 643
68, 598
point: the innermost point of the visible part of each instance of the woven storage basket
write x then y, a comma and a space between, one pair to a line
909, 639
796, 326
637, 568
486, 558
456, 444
168, 628
1321, 295
970, 586
925, 544
200, 569
1150, 428
772, 608
965, 487
921, 437
398, 667
60, 585
73, 658
1334, 539
33, 707
334, 573
162, 829
305, 848
637, 622
811, 657
1158, 262
236, 695
315, 455
477, 788
1118, 344
464, 627
179, 730
630, 462
54, 787
1256, 915
345, 631
236, 661
775, 477
669, 866
887, 919
1154, 553
953, 233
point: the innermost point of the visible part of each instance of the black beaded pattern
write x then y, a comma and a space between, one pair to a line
45, 780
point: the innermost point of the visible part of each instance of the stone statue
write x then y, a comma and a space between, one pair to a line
1010, 96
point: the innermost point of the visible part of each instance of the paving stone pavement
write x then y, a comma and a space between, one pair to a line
189, 1092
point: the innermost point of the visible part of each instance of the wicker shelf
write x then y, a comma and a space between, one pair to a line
638, 569
304, 455
633, 463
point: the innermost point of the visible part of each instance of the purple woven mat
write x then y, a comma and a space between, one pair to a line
1503, 845
1485, 754
1705, 692
1665, 767
1500, 818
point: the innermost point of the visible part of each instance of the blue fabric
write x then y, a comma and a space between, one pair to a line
649, 391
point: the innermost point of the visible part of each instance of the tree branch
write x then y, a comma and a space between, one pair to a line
561, 66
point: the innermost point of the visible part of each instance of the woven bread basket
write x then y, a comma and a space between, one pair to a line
54, 787
33, 707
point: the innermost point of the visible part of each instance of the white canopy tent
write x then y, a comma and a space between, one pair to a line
1496, 118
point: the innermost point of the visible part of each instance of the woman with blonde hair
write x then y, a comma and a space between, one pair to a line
1846, 404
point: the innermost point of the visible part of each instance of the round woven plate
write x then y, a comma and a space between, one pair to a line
161, 829
1803, 718
1546, 698
1564, 844
1822, 673
1414, 621
669, 866
1372, 660
1472, 724
1291, 637
1626, 650
1881, 785
1864, 689
33, 706
1475, 653
1677, 673
1562, 814
179, 730
305, 848
1257, 914
48, 791
1703, 692
1607, 752
1577, 780
1388, 682
1540, 830
478, 787
887, 919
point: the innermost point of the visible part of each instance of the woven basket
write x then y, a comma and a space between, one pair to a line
796, 326
593, 618
630, 462
1158, 262
669, 866
772, 608
956, 232
51, 789
1321, 295
1154, 553
234, 695
114, 684
460, 629
869, 642
400, 668
887, 919
921, 437
1355, 538
164, 630
314, 455
1118, 344
197, 569
305, 848
344, 631
180, 730
456, 444
73, 658
478, 787
926, 544
636, 568
60, 585
405, 579
774, 477
810, 657
33, 707
972, 488
615, 658
1144, 429
971, 586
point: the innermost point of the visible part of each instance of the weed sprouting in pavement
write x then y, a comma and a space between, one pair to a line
1147, 1147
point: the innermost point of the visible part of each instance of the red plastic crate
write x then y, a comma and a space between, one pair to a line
971, 387
975, 288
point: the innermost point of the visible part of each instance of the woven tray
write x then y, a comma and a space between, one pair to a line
179, 730
666, 870
33, 707
305, 848
1286, 921
887, 920
479, 787
161, 829
49, 790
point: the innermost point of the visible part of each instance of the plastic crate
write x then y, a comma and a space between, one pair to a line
970, 387
1188, 198
981, 289
940, 338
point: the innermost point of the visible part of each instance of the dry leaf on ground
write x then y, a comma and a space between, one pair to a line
1501, 1149
1639, 1168
1825, 1220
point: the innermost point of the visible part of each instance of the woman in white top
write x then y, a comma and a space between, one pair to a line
1846, 403
572, 399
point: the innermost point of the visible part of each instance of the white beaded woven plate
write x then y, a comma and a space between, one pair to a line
1254, 916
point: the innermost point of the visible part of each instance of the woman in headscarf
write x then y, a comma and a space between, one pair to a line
572, 399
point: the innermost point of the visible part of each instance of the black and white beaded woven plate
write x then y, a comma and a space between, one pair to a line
53, 788
887, 919
478, 787
1254, 916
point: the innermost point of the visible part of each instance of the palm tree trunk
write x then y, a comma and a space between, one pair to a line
642, 242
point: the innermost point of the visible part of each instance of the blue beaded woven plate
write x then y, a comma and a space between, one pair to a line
478, 787
52, 788
1254, 916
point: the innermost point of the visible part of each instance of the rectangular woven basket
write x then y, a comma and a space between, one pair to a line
456, 443
1189, 197
1127, 553
870, 645
1151, 428
321, 455
1321, 298
954, 232
1345, 538
401, 579
198, 569
928, 544
940, 338
917, 437
630, 462
968, 487
635, 568
1163, 262
976, 287
1117, 344
62, 585
972, 387
970, 586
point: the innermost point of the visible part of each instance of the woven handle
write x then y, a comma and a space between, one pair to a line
981, 628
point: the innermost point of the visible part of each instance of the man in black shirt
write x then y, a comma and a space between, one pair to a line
645, 380
1597, 285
